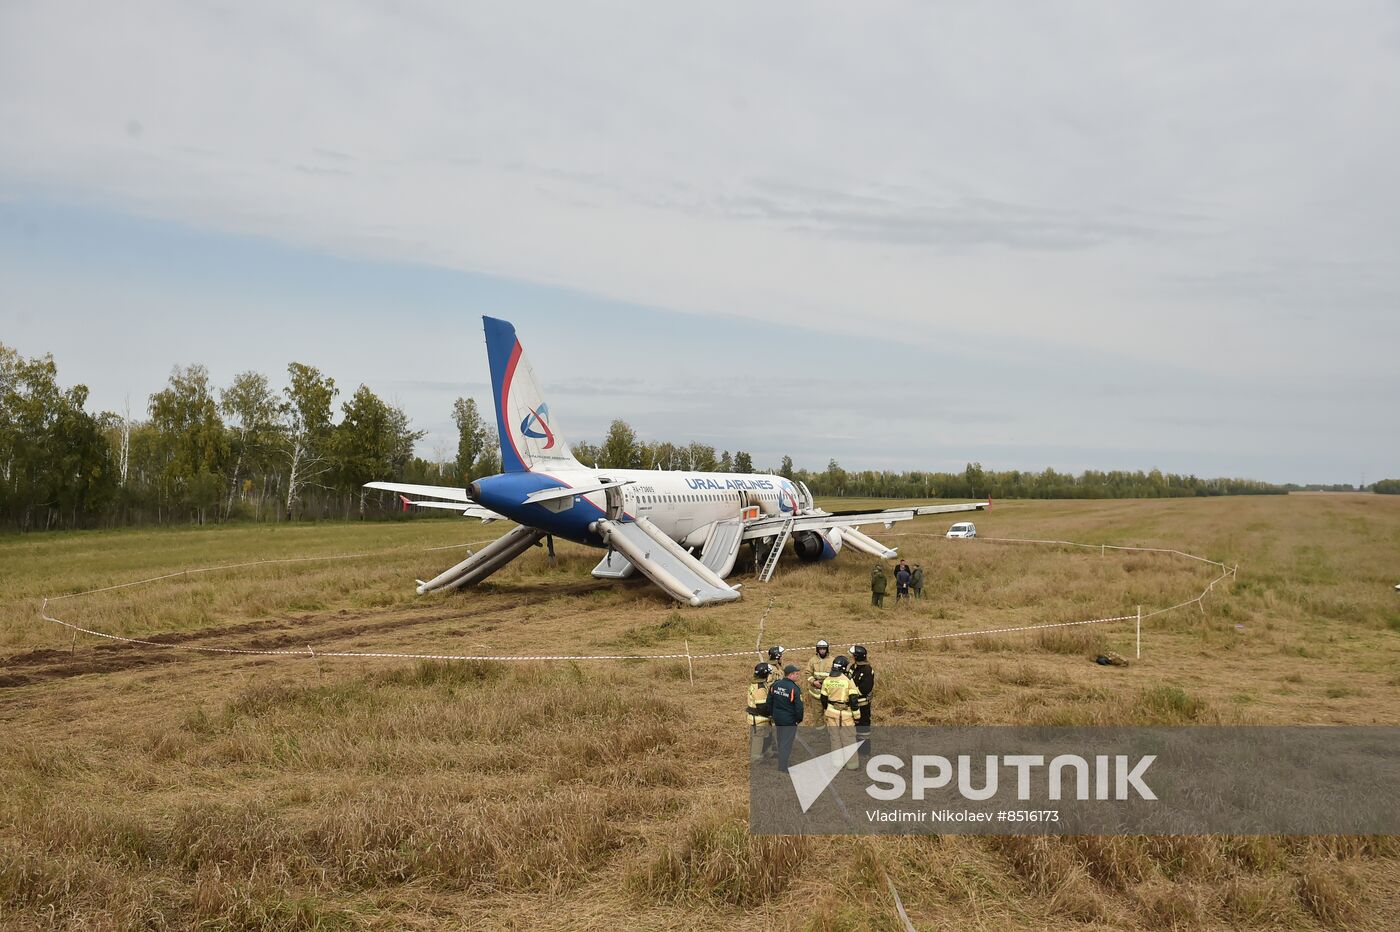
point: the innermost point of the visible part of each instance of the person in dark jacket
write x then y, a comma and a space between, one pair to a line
902, 578
863, 675
878, 586
785, 708
916, 581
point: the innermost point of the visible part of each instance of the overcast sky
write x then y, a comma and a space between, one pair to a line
1098, 235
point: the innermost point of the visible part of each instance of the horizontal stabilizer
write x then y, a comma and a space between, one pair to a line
467, 510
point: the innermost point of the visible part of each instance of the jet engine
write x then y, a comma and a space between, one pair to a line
812, 546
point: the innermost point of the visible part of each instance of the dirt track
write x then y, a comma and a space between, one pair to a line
316, 629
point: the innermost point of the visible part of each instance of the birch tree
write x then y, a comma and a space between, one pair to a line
193, 443
473, 437
251, 407
307, 424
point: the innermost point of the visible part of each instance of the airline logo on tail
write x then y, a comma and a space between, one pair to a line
538, 416
529, 437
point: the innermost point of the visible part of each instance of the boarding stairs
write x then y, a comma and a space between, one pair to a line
775, 553
665, 562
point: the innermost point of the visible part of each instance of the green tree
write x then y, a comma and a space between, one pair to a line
976, 479
701, 457
473, 436
619, 450
834, 479
1387, 487
252, 410
586, 453
55, 462
786, 470
726, 462
307, 420
489, 464
743, 462
372, 441
193, 444
664, 455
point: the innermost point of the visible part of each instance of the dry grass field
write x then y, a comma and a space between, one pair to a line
149, 788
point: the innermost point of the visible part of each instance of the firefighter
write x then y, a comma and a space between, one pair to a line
817, 669
841, 695
760, 721
775, 662
786, 710
878, 585
863, 675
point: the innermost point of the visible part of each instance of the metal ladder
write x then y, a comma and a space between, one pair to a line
770, 565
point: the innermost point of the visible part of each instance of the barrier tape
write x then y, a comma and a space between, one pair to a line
1226, 572
682, 656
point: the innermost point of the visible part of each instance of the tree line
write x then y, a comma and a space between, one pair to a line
203, 453
250, 450
621, 449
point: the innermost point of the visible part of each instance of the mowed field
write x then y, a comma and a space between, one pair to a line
160, 788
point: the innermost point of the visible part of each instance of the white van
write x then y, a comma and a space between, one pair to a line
963, 529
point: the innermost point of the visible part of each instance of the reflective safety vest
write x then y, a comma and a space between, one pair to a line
757, 710
839, 690
817, 669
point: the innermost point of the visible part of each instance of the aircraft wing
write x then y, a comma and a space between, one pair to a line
946, 509
769, 525
432, 491
457, 499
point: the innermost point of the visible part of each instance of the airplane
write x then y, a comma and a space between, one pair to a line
681, 529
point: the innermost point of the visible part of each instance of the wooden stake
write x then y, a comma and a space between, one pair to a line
1139, 633
690, 662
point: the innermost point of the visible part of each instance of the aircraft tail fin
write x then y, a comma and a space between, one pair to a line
530, 435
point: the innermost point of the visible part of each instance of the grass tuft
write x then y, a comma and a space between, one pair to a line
718, 861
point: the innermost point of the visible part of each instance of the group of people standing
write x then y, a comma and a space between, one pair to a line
842, 686
906, 580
